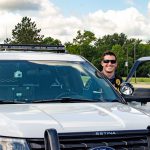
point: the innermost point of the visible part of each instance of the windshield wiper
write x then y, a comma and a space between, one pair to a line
113, 100
11, 102
65, 100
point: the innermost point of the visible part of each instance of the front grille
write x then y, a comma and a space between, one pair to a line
119, 140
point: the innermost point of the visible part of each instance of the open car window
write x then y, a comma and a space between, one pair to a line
141, 79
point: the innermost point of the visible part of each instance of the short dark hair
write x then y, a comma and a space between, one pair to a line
108, 52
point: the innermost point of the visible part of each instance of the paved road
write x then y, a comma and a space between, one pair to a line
142, 89
142, 92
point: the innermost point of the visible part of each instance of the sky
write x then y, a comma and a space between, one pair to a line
61, 19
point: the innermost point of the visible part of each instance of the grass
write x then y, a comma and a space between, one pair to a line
139, 80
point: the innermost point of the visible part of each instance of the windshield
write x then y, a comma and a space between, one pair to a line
29, 81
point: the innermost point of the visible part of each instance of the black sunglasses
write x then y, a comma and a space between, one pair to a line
107, 61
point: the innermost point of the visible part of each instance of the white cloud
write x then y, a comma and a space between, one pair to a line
14, 5
49, 18
128, 21
130, 2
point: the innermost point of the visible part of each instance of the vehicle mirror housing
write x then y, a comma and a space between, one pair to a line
126, 88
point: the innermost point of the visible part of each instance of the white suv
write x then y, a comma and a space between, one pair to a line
59, 101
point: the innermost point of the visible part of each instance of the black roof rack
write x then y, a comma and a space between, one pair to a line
33, 47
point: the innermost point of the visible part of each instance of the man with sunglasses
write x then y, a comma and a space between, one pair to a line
109, 64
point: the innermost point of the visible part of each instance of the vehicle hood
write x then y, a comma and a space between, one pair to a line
31, 120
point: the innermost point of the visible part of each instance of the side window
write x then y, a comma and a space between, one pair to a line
141, 80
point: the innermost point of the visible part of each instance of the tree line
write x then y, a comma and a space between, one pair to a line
88, 45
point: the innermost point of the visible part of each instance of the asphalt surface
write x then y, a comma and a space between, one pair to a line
142, 89
142, 92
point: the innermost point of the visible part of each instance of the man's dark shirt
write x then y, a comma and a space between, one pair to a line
115, 80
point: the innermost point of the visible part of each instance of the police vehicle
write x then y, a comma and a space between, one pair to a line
52, 100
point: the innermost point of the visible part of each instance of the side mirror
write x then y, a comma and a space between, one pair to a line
126, 89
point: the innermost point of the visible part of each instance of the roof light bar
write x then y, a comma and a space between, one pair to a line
33, 47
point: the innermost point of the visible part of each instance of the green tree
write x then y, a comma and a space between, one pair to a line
108, 41
83, 45
118, 50
72, 48
51, 41
86, 38
7, 41
26, 32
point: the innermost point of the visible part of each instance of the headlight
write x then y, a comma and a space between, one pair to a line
13, 144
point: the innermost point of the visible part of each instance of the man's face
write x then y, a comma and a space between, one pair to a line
109, 64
